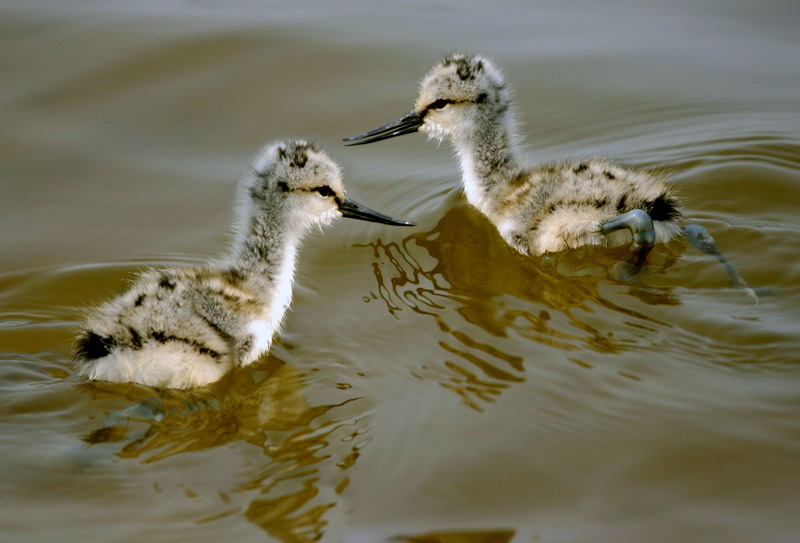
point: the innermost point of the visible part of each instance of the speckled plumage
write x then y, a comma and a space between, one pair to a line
464, 99
186, 327
561, 206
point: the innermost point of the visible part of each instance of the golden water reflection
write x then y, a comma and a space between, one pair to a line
266, 407
555, 302
492, 536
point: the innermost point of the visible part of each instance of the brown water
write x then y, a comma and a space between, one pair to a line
429, 384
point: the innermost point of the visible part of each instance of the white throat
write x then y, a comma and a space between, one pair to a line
488, 161
470, 176
284, 280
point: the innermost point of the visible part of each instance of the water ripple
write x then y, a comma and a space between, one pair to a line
484, 297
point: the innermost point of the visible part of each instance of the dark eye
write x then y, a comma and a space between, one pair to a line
325, 191
440, 103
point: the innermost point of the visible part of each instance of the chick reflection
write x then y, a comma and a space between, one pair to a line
265, 406
462, 265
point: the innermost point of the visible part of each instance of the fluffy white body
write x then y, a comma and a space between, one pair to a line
187, 327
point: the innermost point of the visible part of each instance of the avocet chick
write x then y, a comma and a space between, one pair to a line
543, 209
186, 327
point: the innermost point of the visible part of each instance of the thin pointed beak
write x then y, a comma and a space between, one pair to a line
406, 124
354, 210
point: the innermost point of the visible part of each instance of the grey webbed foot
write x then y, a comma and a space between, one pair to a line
117, 423
700, 238
643, 232
148, 410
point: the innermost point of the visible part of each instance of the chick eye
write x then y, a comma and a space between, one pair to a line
325, 191
440, 103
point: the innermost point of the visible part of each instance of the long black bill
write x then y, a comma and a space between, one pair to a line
407, 124
354, 210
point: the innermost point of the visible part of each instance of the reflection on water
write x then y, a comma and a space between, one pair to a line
265, 407
498, 536
462, 266
597, 410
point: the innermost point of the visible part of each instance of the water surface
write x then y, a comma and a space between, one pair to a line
429, 384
